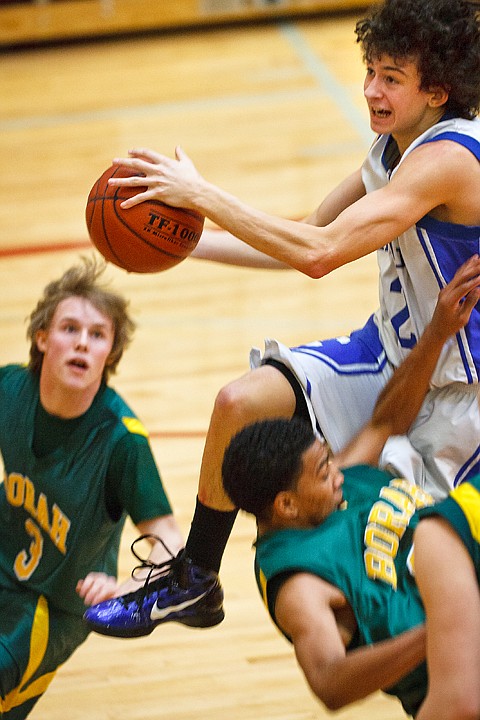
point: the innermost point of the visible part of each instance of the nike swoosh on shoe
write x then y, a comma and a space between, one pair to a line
161, 613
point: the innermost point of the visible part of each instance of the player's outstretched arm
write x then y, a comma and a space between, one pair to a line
350, 225
326, 239
218, 244
399, 403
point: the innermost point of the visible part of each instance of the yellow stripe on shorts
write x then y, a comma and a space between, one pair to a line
468, 498
38, 647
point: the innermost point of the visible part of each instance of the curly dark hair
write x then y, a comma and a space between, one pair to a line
83, 281
442, 36
262, 460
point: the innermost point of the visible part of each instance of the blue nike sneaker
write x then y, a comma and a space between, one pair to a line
185, 593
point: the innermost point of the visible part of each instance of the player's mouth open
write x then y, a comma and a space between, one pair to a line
81, 364
380, 113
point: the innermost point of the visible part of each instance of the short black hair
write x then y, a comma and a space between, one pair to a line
441, 36
262, 460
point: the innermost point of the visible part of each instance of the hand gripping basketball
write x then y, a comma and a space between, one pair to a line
147, 238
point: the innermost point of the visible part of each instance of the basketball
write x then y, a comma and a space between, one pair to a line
147, 238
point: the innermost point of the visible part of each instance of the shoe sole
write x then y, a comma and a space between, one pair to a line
194, 622
210, 621
118, 632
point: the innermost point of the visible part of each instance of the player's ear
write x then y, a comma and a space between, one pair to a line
286, 506
41, 340
438, 96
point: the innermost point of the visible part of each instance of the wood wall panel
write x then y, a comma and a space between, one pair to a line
44, 21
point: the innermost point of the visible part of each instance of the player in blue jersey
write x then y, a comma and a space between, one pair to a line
76, 461
416, 202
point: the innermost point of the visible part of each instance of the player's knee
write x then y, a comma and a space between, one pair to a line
235, 403
262, 394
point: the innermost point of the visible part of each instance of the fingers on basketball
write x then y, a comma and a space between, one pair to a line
147, 238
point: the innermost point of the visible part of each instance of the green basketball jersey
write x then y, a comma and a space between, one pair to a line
365, 550
54, 523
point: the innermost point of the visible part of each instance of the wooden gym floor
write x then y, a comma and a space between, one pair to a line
275, 114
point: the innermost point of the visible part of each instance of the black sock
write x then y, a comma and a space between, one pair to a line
208, 536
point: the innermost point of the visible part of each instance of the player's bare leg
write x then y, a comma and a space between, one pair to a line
261, 394
188, 590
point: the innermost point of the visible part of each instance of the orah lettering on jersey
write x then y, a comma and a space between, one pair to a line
387, 521
20, 492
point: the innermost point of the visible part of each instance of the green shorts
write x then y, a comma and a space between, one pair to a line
35, 639
462, 511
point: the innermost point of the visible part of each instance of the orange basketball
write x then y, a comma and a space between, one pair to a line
146, 238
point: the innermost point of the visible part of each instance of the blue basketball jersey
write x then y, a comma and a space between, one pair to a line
416, 265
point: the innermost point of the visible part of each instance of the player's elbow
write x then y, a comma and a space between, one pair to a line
333, 696
334, 704
317, 263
